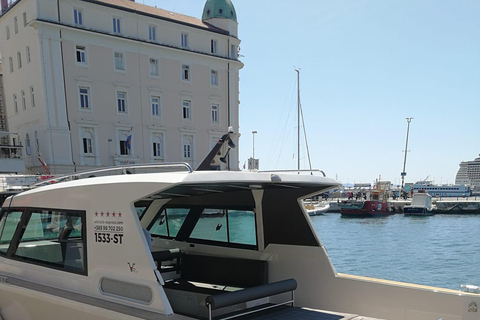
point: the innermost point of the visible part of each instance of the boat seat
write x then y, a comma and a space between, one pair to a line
172, 256
228, 299
209, 274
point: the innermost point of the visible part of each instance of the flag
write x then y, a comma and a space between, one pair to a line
244, 164
129, 143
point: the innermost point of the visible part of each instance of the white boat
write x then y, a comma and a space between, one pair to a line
444, 190
316, 208
189, 245
421, 205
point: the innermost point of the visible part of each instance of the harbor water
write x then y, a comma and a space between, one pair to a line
440, 250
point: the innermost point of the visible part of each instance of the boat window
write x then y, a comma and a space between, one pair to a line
141, 207
235, 227
241, 226
8, 225
169, 222
55, 239
228, 227
212, 225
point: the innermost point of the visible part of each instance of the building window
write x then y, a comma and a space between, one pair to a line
184, 40
153, 67
116, 25
125, 143
19, 59
15, 105
28, 54
157, 145
122, 102
185, 72
24, 102
213, 46
214, 78
155, 106
10, 62
28, 148
187, 143
87, 143
81, 54
84, 98
32, 96
7, 30
215, 113
186, 109
119, 61
78, 16
24, 19
233, 51
36, 142
152, 30
15, 25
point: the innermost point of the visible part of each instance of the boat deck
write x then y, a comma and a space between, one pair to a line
294, 313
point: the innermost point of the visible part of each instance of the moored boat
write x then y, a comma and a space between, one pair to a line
375, 206
317, 208
421, 205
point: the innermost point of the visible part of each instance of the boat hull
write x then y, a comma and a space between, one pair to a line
370, 208
417, 211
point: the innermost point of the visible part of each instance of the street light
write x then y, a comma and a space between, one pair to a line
403, 174
253, 135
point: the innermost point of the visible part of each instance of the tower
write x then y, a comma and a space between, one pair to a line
221, 14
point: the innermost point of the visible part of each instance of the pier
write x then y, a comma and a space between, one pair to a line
452, 205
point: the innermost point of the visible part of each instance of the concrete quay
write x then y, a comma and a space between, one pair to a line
453, 205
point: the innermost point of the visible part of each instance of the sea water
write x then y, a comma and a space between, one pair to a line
440, 250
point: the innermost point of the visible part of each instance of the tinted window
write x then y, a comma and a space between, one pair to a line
54, 238
241, 226
8, 225
232, 227
169, 222
212, 225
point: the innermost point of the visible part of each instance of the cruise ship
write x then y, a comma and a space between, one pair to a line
469, 174
444, 190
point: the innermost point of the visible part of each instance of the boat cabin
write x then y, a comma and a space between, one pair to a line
199, 244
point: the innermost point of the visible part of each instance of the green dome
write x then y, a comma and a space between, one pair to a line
219, 9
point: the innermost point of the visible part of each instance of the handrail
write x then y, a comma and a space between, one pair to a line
120, 170
294, 170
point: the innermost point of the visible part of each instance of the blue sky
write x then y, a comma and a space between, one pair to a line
365, 67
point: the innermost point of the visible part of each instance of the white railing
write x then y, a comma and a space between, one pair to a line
120, 170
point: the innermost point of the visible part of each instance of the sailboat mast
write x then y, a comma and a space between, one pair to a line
298, 118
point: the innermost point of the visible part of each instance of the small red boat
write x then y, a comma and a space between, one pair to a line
377, 206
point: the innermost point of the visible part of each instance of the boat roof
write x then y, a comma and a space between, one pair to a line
150, 186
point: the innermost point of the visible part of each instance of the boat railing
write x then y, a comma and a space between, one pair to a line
120, 170
295, 171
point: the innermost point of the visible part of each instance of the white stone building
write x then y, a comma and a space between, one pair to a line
93, 83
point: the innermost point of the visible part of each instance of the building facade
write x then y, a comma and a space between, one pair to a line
92, 83
469, 174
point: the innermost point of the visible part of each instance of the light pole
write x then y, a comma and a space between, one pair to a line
253, 135
403, 174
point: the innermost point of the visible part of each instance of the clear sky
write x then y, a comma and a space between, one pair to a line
365, 67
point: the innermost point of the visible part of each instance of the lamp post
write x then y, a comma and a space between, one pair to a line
253, 151
403, 174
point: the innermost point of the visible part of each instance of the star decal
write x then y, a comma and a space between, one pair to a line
108, 214
101, 213
119, 214
113, 213
96, 213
